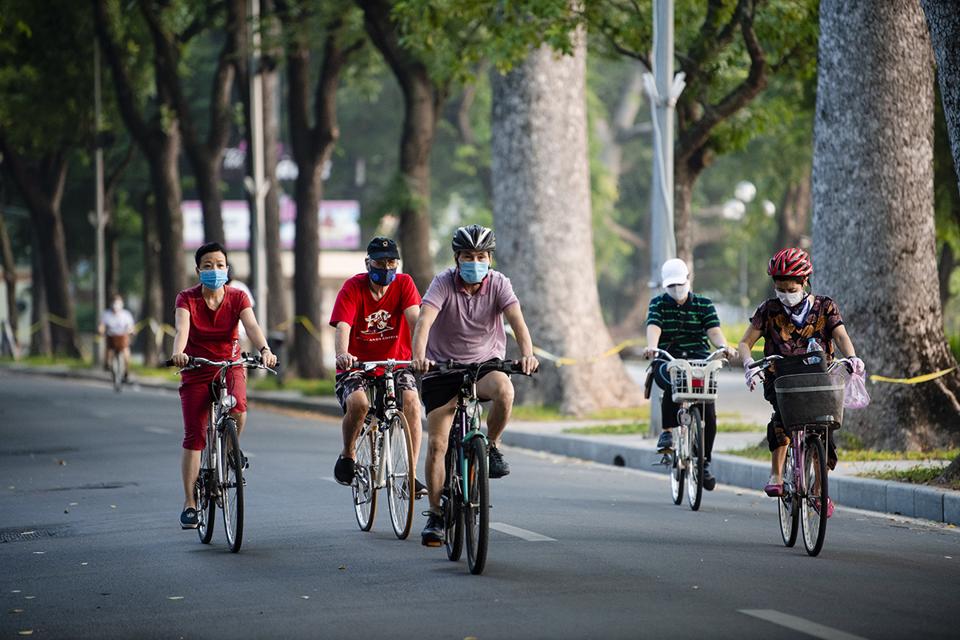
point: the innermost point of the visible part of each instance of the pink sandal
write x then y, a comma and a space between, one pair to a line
774, 490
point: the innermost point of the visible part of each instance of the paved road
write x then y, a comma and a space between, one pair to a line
95, 477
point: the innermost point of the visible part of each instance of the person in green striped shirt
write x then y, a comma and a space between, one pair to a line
684, 324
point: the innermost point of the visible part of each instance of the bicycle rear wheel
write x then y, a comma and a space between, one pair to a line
788, 505
206, 506
476, 512
400, 476
814, 520
232, 487
452, 506
364, 491
695, 449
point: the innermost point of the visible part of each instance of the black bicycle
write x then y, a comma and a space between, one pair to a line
220, 483
465, 499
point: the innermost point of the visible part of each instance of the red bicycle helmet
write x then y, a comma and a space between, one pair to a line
790, 263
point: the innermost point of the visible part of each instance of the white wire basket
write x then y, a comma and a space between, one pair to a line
694, 380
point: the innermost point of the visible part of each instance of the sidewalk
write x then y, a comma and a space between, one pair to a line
633, 451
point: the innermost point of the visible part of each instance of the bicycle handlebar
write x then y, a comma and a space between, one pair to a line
506, 366
768, 360
713, 356
248, 361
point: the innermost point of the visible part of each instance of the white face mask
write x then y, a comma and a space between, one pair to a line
678, 291
790, 299
118, 307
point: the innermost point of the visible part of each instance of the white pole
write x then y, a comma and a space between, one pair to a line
259, 186
663, 242
100, 221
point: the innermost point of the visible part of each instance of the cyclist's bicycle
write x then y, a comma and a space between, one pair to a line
221, 483
384, 452
465, 498
693, 385
811, 405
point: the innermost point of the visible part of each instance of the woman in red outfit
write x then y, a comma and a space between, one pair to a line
207, 318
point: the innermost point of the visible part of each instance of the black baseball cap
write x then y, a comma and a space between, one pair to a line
381, 247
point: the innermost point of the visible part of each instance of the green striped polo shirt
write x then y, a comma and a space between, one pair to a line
683, 326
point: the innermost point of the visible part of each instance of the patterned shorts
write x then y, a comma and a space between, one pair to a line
351, 381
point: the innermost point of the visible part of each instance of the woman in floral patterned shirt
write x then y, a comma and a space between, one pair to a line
788, 324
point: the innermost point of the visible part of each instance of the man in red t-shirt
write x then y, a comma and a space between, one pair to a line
374, 316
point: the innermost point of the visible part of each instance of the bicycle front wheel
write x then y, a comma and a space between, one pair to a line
476, 512
364, 490
117, 369
813, 507
695, 449
232, 487
400, 476
788, 505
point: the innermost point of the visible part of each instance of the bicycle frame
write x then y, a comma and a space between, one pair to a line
383, 406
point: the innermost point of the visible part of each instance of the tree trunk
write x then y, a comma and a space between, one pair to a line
873, 220
9, 276
205, 156
42, 189
541, 205
278, 309
793, 216
150, 310
40, 342
945, 267
306, 275
165, 179
423, 101
685, 174
160, 142
943, 19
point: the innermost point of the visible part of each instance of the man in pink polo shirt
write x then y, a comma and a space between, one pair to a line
461, 319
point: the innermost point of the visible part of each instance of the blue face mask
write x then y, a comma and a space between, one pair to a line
213, 278
382, 277
474, 272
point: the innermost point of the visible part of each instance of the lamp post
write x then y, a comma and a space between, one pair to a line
100, 216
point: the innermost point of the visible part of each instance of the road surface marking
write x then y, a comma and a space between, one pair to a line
799, 624
159, 430
529, 536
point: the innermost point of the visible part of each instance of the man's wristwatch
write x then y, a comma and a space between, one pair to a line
265, 348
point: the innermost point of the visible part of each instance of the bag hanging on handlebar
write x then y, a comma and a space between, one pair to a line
855, 394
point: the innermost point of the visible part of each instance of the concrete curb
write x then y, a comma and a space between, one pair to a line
915, 501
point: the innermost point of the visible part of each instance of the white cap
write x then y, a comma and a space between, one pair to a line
674, 272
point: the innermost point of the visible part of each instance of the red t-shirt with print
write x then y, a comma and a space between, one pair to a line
379, 330
213, 334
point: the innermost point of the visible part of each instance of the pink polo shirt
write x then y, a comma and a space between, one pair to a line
468, 328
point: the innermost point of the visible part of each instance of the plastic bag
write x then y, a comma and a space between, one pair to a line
855, 394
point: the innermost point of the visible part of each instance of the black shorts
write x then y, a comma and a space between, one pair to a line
440, 388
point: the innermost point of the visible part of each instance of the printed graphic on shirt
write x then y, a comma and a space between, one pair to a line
378, 322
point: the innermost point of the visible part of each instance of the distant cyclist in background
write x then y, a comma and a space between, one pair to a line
116, 325
683, 324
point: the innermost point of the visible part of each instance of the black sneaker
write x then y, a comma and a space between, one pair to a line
709, 482
419, 489
244, 461
344, 470
189, 519
498, 466
432, 534
665, 443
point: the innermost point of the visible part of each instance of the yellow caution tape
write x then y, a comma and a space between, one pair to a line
563, 361
916, 380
